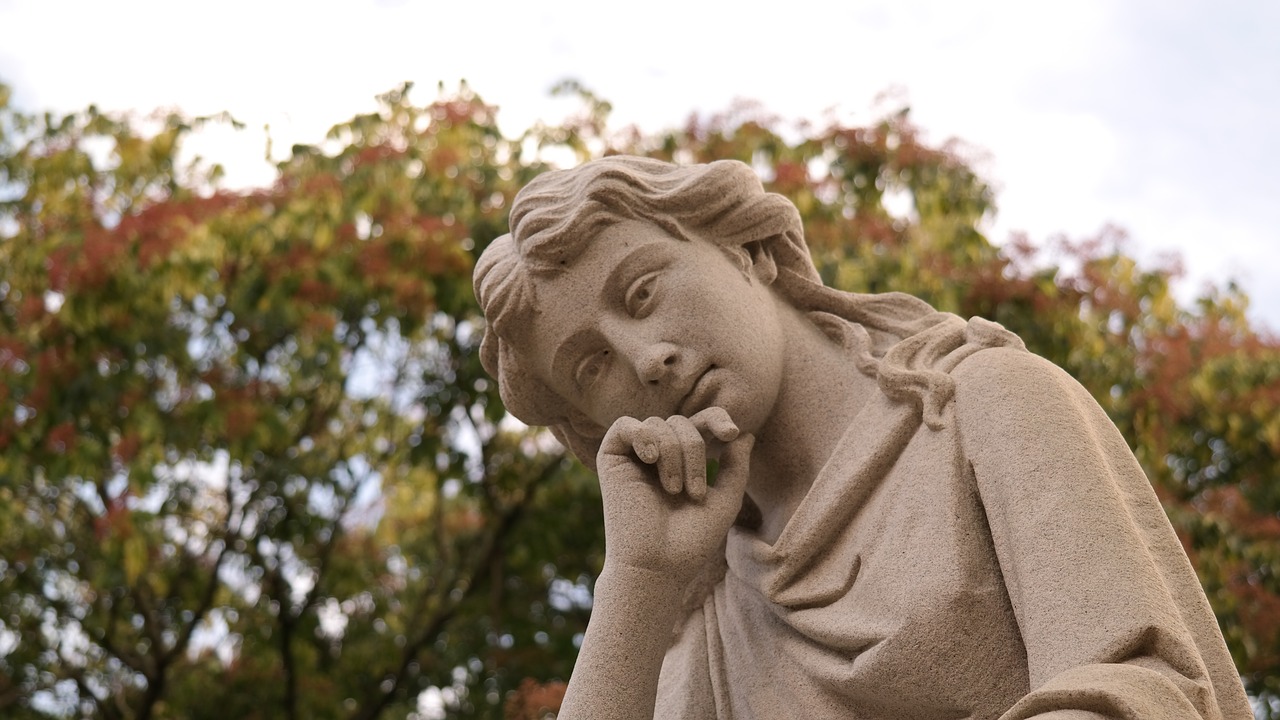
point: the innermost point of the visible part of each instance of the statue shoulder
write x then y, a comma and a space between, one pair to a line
1005, 373
923, 367
1002, 393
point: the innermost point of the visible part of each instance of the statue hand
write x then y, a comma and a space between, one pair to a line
645, 466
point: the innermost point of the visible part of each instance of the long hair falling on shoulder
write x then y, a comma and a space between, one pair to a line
894, 337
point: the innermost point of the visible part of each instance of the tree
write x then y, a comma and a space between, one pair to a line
247, 448
247, 451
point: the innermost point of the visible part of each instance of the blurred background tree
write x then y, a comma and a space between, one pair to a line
250, 465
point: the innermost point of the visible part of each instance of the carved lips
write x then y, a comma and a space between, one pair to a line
700, 394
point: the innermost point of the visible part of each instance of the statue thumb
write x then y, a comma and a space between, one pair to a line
731, 479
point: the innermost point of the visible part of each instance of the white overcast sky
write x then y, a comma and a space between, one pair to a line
1161, 117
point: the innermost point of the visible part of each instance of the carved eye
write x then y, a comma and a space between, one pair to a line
591, 368
641, 294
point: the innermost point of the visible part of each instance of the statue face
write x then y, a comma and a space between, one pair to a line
646, 325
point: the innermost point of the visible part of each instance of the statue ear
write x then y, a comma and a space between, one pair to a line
763, 266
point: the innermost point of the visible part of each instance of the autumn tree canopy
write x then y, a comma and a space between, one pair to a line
250, 465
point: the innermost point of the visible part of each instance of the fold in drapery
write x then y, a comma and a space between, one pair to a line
1012, 563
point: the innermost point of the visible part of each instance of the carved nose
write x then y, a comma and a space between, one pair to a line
657, 363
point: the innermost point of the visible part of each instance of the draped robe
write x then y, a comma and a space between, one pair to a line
1007, 561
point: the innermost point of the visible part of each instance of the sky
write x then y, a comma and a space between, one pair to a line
1158, 117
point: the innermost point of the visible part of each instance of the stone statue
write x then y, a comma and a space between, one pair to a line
913, 517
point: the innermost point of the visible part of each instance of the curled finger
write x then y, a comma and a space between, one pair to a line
731, 482
669, 456
694, 451
622, 439
714, 422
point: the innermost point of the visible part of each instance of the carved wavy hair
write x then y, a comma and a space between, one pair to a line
894, 337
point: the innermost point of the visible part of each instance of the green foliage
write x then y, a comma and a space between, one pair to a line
247, 448
247, 451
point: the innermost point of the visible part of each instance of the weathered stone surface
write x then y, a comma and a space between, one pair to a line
913, 517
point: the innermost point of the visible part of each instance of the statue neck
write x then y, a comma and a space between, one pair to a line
822, 392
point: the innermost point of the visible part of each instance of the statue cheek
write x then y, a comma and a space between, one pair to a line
603, 403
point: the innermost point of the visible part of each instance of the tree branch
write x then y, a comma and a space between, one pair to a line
485, 558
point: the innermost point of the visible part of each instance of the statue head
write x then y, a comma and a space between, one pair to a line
560, 214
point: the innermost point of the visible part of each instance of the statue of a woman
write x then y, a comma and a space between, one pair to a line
913, 516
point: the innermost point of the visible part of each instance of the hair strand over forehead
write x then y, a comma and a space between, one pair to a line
558, 214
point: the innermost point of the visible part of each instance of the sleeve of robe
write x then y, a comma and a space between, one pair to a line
1112, 615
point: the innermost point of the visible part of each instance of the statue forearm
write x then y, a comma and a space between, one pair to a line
616, 675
